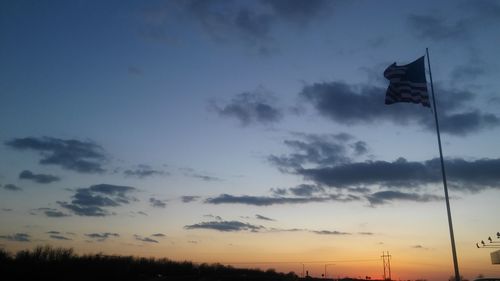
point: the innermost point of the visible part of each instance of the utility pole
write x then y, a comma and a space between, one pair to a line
327, 264
386, 260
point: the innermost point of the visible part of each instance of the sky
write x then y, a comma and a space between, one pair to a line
250, 133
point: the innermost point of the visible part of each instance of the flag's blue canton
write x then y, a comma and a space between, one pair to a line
407, 83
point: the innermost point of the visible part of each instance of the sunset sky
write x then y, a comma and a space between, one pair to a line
251, 133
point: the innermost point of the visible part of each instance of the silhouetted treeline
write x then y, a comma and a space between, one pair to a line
49, 263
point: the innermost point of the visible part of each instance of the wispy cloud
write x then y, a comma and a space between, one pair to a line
420, 247
436, 27
261, 217
239, 226
157, 203
250, 24
38, 178
189, 198
52, 213
250, 108
383, 197
102, 236
269, 200
59, 237
319, 150
225, 226
145, 239
329, 232
143, 171
18, 237
11, 187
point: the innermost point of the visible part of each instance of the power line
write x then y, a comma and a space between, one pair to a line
301, 262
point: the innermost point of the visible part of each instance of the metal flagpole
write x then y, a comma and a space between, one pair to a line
450, 224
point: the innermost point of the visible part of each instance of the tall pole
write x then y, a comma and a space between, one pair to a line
387, 265
450, 223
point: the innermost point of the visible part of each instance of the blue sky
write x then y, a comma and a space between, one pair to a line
238, 128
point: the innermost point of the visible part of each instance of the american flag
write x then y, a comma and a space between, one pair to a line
407, 83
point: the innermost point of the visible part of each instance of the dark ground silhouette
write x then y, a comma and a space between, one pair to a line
50, 263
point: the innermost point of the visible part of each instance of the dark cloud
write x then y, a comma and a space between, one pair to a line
250, 108
365, 233
18, 237
318, 149
260, 217
464, 123
52, 213
268, 201
226, 226
397, 173
360, 147
145, 239
144, 171
79, 156
384, 197
189, 198
102, 236
158, 235
55, 214
238, 226
6, 209
347, 104
157, 203
91, 211
92, 200
306, 190
113, 190
53, 232
392, 179
59, 237
103, 195
39, 178
329, 232
12, 187
213, 217
462, 175
142, 213
279, 191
